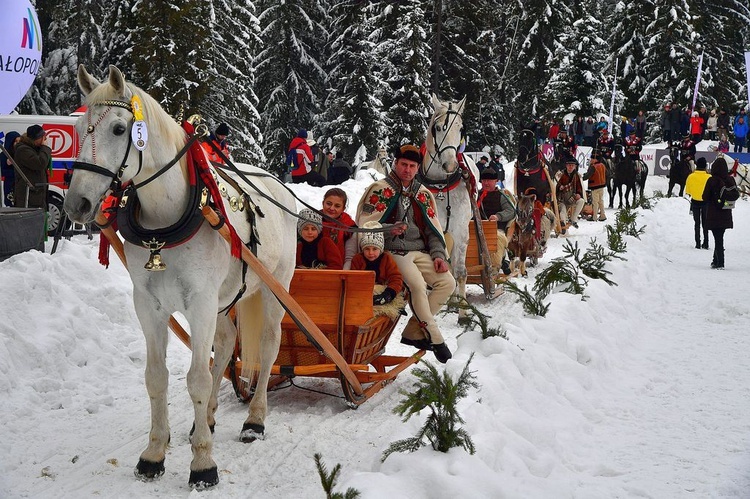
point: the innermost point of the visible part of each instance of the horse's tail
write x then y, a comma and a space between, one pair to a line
250, 318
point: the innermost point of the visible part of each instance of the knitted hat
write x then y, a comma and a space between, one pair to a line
372, 238
222, 129
700, 163
307, 217
302, 133
488, 174
35, 132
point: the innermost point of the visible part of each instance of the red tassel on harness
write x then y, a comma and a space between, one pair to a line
104, 250
197, 156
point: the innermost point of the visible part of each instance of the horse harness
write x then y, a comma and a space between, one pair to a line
205, 190
441, 189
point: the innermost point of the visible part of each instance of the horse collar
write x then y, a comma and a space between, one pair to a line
167, 237
441, 187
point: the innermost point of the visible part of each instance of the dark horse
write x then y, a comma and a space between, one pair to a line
678, 170
523, 242
530, 168
629, 173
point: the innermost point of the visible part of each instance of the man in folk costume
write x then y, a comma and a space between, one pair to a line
570, 193
687, 151
606, 146
633, 148
597, 177
417, 244
497, 205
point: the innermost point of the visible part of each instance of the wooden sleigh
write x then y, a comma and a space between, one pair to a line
476, 271
343, 337
330, 330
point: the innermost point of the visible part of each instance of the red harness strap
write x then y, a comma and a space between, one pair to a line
197, 160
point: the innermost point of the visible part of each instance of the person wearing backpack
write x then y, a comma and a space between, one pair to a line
299, 158
719, 194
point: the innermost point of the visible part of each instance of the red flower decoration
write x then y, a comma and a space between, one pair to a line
421, 197
431, 213
388, 193
374, 199
380, 206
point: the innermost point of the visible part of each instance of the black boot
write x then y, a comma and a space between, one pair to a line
442, 353
422, 344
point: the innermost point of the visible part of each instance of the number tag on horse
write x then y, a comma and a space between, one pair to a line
139, 135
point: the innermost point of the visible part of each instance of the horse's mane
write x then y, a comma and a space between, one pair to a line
159, 122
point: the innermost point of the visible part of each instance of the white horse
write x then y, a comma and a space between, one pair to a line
441, 173
202, 277
379, 164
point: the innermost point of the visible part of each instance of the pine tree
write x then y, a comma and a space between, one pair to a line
231, 99
353, 115
469, 66
289, 77
628, 44
403, 48
168, 55
541, 22
723, 62
577, 77
670, 60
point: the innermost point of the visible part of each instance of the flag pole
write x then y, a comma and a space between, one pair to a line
697, 83
612, 103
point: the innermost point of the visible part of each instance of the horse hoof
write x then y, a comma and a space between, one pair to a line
252, 432
149, 470
204, 479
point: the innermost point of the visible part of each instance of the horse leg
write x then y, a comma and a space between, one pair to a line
151, 462
259, 316
670, 187
682, 188
627, 196
201, 315
224, 341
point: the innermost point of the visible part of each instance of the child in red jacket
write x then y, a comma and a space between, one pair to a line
313, 250
372, 257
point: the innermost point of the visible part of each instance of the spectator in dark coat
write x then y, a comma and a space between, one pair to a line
340, 171
640, 124
722, 124
666, 123
34, 157
8, 172
675, 120
718, 219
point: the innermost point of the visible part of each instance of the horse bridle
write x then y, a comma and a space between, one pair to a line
450, 117
116, 184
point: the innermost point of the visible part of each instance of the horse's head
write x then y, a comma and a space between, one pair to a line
444, 136
527, 146
107, 154
525, 211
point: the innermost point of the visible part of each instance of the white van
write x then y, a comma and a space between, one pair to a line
63, 141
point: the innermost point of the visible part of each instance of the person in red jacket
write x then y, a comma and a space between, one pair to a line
313, 250
373, 257
696, 127
217, 140
300, 158
337, 221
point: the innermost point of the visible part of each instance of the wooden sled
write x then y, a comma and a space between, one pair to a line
343, 338
339, 302
476, 270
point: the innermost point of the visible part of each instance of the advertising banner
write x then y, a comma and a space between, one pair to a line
20, 52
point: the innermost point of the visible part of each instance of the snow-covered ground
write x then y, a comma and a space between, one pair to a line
641, 390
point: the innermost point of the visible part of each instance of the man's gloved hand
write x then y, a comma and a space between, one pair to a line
386, 296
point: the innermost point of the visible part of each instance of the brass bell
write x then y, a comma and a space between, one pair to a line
154, 263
